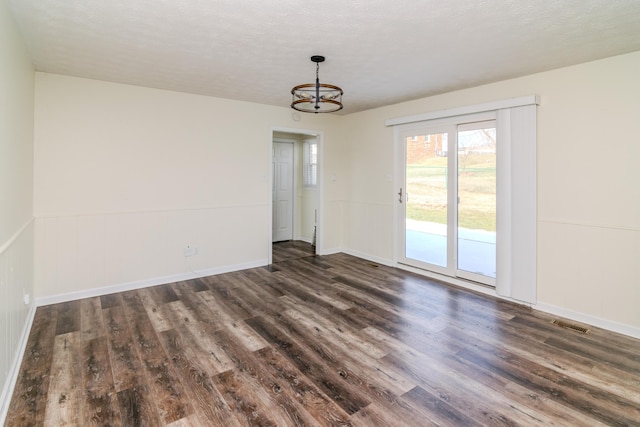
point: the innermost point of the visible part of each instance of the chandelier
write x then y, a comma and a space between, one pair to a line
316, 97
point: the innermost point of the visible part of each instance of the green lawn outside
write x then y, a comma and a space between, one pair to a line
427, 192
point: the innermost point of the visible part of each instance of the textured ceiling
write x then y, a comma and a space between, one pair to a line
379, 51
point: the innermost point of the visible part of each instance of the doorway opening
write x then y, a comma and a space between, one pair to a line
295, 195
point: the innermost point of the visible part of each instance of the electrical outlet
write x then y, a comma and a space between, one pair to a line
190, 251
26, 299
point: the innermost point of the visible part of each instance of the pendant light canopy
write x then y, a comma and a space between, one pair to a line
316, 97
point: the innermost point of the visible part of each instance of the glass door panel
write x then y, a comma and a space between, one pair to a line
476, 227
426, 208
447, 197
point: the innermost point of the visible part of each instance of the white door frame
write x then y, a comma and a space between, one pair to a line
319, 193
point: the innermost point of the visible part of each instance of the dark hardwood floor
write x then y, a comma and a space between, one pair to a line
292, 249
318, 340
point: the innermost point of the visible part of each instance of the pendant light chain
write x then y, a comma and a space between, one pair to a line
317, 106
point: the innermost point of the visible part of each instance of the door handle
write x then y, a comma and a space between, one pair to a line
400, 195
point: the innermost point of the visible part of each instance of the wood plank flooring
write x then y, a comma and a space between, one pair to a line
292, 249
318, 341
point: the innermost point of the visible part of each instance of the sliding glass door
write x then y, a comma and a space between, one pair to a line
447, 198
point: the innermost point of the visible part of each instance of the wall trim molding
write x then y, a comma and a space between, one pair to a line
145, 283
14, 369
587, 224
47, 215
15, 235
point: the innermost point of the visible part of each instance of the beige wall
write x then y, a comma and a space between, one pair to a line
16, 225
126, 176
587, 179
16, 130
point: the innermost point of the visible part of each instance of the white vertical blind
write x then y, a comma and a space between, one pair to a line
516, 181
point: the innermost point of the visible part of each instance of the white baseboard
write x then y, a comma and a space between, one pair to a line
588, 319
138, 284
14, 370
331, 251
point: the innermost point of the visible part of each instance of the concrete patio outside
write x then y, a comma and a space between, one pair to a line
427, 242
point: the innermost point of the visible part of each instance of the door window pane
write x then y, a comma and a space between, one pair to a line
426, 198
477, 199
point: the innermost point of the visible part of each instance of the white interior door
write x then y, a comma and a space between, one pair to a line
282, 191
